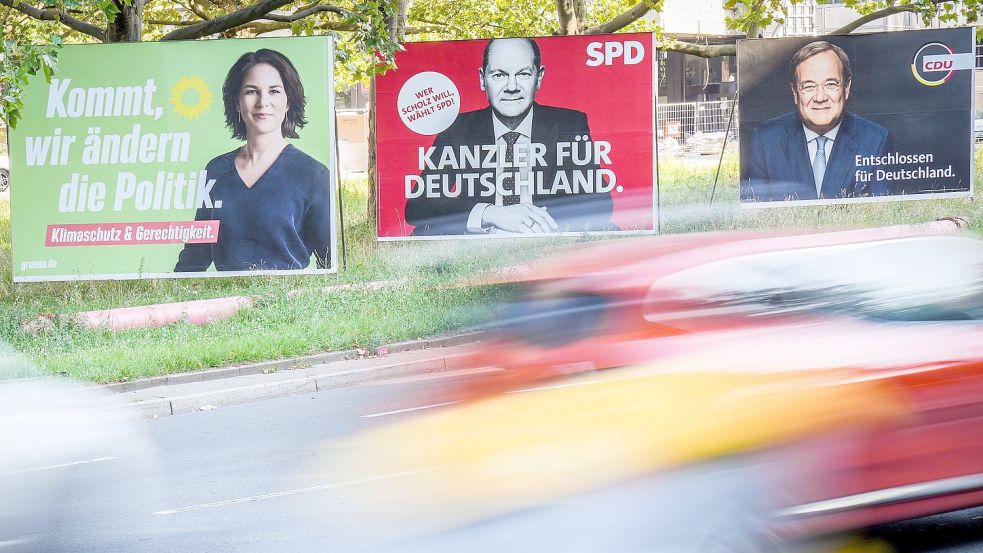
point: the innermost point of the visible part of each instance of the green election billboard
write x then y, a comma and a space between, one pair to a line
177, 159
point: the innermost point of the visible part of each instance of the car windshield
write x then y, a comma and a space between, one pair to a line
921, 278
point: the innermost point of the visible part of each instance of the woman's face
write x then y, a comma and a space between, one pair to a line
262, 100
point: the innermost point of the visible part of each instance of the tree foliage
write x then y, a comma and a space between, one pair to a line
34, 29
464, 19
750, 16
461, 19
18, 62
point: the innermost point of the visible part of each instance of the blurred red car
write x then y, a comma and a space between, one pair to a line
613, 304
903, 305
845, 367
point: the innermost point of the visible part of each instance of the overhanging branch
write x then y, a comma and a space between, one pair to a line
297, 16
717, 50
56, 15
259, 27
874, 16
194, 8
235, 19
701, 50
424, 28
622, 20
169, 22
420, 26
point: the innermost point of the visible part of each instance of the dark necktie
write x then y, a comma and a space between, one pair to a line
508, 182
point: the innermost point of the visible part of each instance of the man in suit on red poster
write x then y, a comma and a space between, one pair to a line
535, 175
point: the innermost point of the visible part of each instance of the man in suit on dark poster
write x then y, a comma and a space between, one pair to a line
810, 154
537, 183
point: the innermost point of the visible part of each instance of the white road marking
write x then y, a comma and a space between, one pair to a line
408, 410
14, 542
434, 376
61, 466
275, 495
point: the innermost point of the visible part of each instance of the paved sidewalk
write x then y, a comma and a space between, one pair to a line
202, 391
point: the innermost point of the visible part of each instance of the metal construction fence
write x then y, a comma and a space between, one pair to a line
696, 128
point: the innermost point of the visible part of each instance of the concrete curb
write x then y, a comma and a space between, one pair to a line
292, 363
163, 396
204, 401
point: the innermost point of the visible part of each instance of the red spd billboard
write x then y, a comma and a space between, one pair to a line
518, 137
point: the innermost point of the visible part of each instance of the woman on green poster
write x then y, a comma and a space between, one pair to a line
272, 200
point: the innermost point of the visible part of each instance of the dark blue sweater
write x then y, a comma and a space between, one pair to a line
277, 224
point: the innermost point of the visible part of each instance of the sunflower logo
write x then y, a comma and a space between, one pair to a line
190, 96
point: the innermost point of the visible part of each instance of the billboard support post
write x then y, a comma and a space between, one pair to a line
720, 162
341, 208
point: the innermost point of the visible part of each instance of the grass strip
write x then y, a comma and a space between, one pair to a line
428, 301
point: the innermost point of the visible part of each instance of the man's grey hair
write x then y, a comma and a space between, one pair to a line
818, 47
537, 58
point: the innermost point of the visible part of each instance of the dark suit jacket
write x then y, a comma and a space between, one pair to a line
572, 212
781, 169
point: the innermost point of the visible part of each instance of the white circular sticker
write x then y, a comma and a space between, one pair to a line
428, 103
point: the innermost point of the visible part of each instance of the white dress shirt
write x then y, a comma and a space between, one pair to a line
522, 164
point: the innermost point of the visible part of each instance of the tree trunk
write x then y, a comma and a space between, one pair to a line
128, 25
566, 18
571, 16
396, 25
397, 22
580, 9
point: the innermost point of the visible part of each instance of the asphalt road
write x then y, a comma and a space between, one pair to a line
228, 480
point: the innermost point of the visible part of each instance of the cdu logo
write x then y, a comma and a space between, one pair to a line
934, 63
